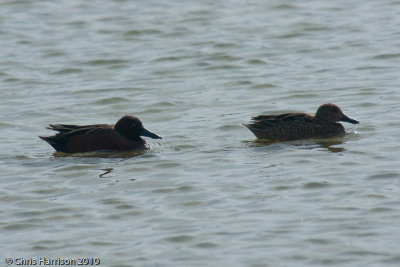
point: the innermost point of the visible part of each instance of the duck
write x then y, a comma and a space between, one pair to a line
295, 126
125, 135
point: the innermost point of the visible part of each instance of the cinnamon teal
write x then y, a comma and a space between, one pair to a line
293, 126
123, 136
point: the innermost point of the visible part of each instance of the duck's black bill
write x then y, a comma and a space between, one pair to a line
347, 119
149, 134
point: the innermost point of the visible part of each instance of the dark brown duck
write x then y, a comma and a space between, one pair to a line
125, 135
293, 126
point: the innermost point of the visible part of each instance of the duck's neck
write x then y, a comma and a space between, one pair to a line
324, 122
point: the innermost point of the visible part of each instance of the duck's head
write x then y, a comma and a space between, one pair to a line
132, 128
332, 113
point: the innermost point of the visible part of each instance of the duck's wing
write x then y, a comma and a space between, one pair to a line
288, 126
69, 129
273, 120
74, 138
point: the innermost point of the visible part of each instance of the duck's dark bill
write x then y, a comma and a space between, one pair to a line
150, 134
347, 119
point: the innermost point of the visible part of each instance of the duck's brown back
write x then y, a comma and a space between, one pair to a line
292, 126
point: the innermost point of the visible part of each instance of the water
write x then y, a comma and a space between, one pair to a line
207, 194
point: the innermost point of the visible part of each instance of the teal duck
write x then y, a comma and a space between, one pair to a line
293, 126
125, 135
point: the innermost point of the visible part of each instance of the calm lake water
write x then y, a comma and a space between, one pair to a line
207, 194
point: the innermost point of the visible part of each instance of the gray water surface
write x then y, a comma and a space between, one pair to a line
208, 193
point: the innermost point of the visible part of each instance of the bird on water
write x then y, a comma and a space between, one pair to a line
125, 135
294, 126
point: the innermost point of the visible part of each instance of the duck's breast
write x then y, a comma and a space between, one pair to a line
102, 139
